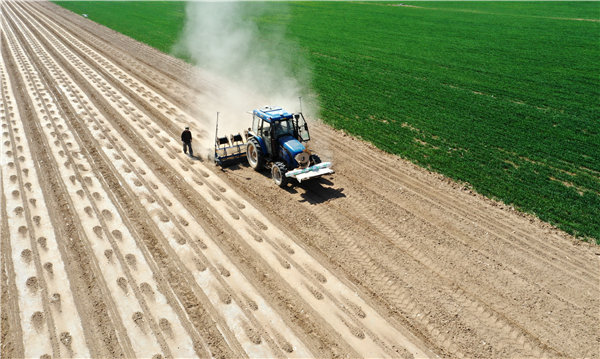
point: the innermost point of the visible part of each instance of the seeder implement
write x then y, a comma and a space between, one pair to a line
310, 172
229, 149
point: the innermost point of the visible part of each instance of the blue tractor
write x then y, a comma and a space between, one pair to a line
275, 141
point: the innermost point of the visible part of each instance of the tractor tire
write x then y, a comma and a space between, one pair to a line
315, 159
254, 154
278, 171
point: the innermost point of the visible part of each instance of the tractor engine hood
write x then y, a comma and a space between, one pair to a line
291, 144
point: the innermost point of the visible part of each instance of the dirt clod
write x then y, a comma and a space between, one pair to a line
26, 255
66, 339
49, 268
42, 242
108, 253
122, 282
130, 258
32, 283
138, 318
37, 319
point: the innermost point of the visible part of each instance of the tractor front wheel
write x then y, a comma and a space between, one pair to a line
256, 159
278, 171
315, 159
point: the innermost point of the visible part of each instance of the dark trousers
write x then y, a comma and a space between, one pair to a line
188, 146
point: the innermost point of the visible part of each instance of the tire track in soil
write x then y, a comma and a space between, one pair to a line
580, 269
387, 286
488, 297
508, 335
549, 281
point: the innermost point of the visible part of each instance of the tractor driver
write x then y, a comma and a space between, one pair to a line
281, 128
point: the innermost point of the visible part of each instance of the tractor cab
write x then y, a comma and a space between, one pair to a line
271, 124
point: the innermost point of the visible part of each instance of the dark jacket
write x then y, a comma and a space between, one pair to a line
186, 136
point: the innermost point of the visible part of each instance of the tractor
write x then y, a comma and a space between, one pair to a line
275, 142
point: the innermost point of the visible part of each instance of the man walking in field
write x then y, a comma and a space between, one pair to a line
186, 138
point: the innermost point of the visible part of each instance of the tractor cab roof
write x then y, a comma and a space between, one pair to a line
272, 114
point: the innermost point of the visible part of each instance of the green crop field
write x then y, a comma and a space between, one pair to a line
504, 96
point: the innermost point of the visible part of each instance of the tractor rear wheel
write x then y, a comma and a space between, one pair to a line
278, 171
255, 156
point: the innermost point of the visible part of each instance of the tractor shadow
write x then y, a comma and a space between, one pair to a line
318, 190
313, 191
238, 169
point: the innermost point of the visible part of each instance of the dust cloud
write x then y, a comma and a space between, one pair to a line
246, 69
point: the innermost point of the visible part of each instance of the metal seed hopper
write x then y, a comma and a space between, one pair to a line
229, 149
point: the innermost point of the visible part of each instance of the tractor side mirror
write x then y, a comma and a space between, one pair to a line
304, 135
296, 116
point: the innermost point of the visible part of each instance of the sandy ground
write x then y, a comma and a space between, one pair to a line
116, 244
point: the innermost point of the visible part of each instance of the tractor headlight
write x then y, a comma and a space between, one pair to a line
303, 159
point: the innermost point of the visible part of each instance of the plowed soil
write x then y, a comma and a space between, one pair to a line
114, 243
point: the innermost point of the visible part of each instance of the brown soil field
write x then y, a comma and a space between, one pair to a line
116, 244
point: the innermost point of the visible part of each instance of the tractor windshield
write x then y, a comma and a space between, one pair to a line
282, 128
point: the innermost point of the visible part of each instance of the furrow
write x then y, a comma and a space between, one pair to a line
163, 211
168, 322
55, 282
34, 314
90, 294
489, 293
81, 196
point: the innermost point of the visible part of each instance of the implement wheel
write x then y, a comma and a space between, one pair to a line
278, 171
256, 159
